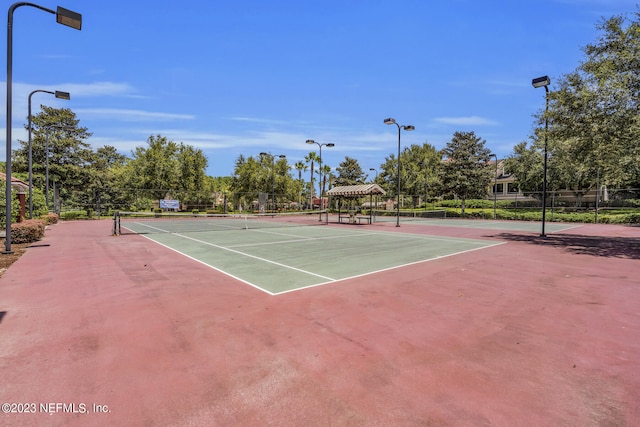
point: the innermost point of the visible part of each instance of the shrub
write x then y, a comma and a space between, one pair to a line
27, 231
50, 218
631, 218
71, 215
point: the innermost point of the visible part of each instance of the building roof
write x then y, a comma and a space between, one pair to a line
356, 190
16, 184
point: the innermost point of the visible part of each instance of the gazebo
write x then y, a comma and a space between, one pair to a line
353, 191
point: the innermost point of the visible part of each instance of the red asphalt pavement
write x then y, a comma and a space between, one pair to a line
102, 330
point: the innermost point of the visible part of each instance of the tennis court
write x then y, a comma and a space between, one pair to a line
535, 331
276, 257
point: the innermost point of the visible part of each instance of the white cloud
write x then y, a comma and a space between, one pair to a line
258, 120
466, 121
98, 89
132, 115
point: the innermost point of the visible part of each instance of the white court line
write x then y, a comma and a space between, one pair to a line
386, 269
300, 239
255, 257
210, 266
328, 279
360, 234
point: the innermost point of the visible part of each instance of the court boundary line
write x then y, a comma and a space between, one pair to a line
254, 257
300, 239
390, 268
331, 280
209, 265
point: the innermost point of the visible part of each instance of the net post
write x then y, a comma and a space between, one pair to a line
116, 224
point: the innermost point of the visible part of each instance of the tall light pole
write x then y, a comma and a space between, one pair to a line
64, 17
375, 181
544, 81
495, 185
391, 121
330, 144
273, 176
60, 95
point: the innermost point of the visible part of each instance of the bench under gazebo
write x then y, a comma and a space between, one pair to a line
355, 191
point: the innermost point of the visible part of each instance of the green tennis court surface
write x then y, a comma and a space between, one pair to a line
278, 260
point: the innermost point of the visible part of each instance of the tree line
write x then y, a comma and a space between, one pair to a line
593, 133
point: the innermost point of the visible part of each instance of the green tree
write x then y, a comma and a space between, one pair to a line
156, 167
593, 115
191, 180
101, 190
349, 172
300, 166
310, 159
419, 170
464, 172
526, 164
69, 156
250, 176
420, 164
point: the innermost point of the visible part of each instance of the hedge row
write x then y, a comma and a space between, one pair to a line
584, 217
31, 230
28, 231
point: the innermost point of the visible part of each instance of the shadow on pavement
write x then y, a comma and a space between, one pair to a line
615, 247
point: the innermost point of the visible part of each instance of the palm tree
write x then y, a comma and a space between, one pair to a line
311, 158
326, 171
300, 166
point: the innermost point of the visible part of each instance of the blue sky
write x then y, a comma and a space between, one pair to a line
236, 77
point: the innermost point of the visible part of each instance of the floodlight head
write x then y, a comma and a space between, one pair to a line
310, 141
389, 121
541, 82
282, 156
372, 169
68, 18
409, 127
63, 95
331, 144
264, 154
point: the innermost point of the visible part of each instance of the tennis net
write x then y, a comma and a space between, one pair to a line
385, 215
172, 222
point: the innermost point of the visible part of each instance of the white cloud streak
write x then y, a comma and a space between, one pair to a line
467, 121
132, 115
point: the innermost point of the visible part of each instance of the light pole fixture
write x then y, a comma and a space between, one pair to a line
544, 81
495, 185
330, 144
273, 176
391, 121
64, 17
60, 95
